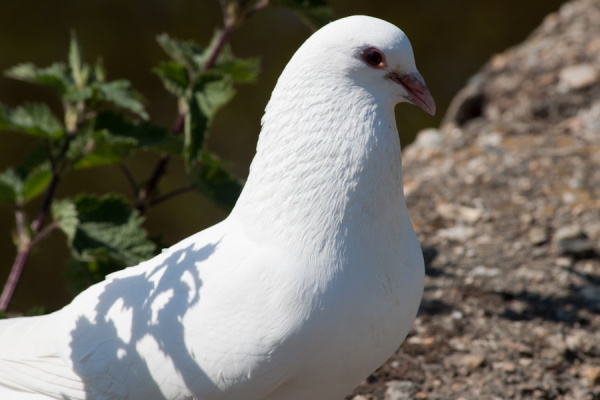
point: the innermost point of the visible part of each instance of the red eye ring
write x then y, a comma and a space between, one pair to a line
374, 58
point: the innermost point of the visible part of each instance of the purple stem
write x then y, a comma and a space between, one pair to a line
13, 278
220, 44
39, 220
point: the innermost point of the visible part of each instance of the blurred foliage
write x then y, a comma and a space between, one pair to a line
105, 122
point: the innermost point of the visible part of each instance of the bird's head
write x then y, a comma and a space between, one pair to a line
373, 54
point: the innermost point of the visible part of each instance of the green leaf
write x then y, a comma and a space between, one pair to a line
237, 69
315, 13
174, 76
109, 231
146, 134
213, 95
36, 182
37, 120
76, 94
55, 76
65, 213
212, 179
11, 187
182, 51
105, 149
122, 95
194, 132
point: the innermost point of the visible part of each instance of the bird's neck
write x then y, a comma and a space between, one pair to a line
328, 166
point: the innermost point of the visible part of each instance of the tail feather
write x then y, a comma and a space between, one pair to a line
30, 366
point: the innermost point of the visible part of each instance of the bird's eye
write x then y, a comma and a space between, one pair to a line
374, 58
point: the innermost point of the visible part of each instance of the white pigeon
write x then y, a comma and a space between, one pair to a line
309, 285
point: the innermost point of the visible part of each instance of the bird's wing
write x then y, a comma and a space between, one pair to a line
201, 319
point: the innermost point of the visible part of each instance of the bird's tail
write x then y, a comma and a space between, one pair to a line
31, 367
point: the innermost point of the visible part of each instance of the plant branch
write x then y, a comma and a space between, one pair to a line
23, 246
130, 179
48, 198
225, 33
13, 279
148, 190
43, 233
171, 194
256, 8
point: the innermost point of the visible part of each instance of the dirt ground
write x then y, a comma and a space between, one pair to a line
505, 197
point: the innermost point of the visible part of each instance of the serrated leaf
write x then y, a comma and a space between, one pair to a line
65, 213
174, 76
315, 13
55, 76
145, 133
11, 186
76, 94
105, 149
213, 95
212, 179
109, 230
36, 182
36, 119
194, 132
121, 94
184, 52
238, 70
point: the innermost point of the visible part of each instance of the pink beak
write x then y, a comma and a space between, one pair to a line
418, 94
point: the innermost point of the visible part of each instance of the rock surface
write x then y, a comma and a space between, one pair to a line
505, 197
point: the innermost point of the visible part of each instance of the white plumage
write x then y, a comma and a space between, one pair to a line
312, 281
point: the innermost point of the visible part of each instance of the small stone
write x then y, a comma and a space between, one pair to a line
399, 390
590, 375
592, 230
430, 138
570, 240
458, 212
509, 367
574, 341
459, 233
578, 76
482, 270
424, 341
457, 315
505, 366
538, 235
568, 232
575, 247
525, 362
564, 262
469, 361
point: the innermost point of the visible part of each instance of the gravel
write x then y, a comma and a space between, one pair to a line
505, 198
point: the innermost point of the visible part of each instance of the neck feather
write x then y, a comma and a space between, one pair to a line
328, 166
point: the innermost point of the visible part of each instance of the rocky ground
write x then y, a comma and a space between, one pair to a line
505, 197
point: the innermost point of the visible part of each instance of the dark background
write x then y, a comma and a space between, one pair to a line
451, 41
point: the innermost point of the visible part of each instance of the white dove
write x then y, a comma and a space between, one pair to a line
311, 282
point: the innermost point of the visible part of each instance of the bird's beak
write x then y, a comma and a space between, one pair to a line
417, 92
